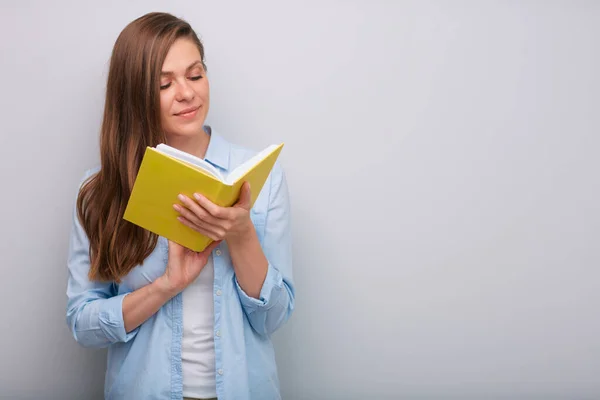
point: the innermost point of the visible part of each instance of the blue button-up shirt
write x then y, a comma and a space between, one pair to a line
146, 362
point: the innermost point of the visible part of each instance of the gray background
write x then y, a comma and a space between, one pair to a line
443, 167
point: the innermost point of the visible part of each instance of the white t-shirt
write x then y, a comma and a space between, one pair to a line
197, 345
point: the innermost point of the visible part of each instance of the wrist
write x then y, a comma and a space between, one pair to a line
242, 235
165, 288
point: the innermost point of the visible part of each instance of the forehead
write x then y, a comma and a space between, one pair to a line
181, 55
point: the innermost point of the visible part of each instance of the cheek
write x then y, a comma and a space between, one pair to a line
165, 107
202, 89
207, 92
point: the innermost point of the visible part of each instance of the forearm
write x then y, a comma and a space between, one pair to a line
249, 261
141, 304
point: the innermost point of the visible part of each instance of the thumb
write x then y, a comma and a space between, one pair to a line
175, 249
211, 247
245, 196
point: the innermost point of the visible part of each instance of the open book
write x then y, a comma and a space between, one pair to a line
165, 172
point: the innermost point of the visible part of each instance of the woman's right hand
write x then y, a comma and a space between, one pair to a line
184, 266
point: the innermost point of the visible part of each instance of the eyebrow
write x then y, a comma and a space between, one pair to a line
192, 65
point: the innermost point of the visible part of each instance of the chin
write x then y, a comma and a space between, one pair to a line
187, 129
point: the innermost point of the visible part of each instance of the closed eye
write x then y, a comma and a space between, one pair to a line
192, 78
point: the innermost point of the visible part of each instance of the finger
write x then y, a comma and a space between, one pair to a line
215, 211
211, 247
193, 217
217, 234
211, 233
174, 248
245, 197
199, 227
199, 210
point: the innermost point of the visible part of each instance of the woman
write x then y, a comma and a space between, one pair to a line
176, 323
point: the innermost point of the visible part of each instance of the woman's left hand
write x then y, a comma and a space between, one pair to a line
218, 223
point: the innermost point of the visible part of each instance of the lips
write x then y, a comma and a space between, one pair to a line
188, 112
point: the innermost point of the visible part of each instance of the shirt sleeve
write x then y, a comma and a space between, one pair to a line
94, 311
276, 301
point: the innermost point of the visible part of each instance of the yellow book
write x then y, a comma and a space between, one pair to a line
165, 172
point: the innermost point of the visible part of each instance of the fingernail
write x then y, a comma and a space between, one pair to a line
197, 196
181, 197
176, 207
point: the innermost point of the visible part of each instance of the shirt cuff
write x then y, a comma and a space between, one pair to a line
111, 320
269, 293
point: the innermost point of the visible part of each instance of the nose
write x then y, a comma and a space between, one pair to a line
184, 91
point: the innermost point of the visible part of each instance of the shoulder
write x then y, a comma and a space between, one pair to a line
85, 177
90, 172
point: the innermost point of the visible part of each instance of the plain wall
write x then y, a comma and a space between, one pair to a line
443, 164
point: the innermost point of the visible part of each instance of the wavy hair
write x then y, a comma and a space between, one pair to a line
131, 122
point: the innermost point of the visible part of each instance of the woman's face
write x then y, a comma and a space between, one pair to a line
184, 91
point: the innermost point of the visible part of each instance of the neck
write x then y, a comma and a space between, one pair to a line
195, 145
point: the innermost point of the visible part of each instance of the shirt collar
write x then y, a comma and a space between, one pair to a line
217, 152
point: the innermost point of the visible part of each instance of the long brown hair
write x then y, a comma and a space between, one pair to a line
131, 122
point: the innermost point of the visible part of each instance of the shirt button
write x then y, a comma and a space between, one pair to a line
218, 252
220, 371
218, 333
219, 292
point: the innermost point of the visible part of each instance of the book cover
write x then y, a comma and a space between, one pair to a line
162, 177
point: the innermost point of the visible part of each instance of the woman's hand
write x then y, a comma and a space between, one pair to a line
234, 225
218, 223
183, 267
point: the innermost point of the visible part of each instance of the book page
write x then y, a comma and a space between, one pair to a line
190, 159
245, 167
